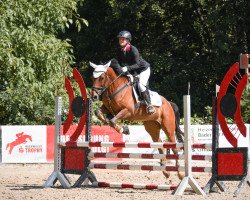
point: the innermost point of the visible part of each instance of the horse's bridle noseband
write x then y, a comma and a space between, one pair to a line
103, 89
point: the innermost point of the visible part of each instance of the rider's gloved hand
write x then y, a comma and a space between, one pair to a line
124, 69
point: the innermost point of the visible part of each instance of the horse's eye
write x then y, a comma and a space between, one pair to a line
101, 78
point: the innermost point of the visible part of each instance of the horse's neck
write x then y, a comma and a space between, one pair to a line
117, 83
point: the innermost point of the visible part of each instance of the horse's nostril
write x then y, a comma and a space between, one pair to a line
95, 97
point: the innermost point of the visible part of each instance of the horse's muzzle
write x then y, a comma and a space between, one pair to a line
96, 93
95, 97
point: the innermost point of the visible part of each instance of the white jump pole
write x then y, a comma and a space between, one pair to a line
188, 179
56, 174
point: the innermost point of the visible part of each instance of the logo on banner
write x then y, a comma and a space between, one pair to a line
21, 138
23, 144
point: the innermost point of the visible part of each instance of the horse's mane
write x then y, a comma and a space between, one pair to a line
111, 72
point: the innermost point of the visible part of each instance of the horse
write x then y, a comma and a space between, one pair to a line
116, 93
21, 139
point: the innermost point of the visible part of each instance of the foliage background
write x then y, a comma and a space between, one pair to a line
186, 41
33, 58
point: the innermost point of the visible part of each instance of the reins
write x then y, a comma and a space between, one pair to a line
104, 89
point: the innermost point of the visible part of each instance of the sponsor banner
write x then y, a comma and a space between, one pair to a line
99, 133
35, 144
24, 144
106, 134
242, 141
203, 134
199, 134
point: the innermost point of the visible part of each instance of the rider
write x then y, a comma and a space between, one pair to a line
129, 60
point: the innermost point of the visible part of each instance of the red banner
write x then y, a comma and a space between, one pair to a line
99, 133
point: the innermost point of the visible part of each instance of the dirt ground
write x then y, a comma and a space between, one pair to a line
24, 181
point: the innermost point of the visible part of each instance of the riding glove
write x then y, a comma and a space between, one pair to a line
124, 69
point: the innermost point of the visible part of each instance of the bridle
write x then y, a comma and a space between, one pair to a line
103, 89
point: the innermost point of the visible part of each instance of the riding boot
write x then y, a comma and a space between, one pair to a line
146, 97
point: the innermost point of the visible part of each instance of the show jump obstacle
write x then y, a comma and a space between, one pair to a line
230, 164
65, 158
73, 157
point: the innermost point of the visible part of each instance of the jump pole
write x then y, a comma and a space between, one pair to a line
188, 179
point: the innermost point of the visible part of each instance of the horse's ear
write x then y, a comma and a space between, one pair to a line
92, 65
108, 64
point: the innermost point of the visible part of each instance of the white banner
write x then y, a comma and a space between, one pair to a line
201, 134
24, 144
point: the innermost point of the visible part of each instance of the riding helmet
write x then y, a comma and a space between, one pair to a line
125, 34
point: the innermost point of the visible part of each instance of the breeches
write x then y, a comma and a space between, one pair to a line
143, 79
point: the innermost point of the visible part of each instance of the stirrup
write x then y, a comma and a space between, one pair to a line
150, 109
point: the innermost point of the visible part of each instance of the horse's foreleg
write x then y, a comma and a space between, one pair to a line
123, 114
100, 113
153, 128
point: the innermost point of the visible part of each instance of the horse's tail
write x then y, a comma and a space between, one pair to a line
179, 133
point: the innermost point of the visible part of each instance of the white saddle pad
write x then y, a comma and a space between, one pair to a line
154, 96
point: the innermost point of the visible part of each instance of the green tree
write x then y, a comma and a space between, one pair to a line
186, 41
192, 41
245, 104
33, 59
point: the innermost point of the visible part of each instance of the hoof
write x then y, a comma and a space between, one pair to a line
166, 174
125, 130
107, 121
180, 175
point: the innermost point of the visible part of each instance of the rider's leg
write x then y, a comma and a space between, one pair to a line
143, 79
150, 107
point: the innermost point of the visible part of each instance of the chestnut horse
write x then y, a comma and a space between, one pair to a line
119, 103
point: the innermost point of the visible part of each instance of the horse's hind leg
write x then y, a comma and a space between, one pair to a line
170, 133
153, 128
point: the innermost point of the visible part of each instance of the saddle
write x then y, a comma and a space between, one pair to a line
154, 96
135, 83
